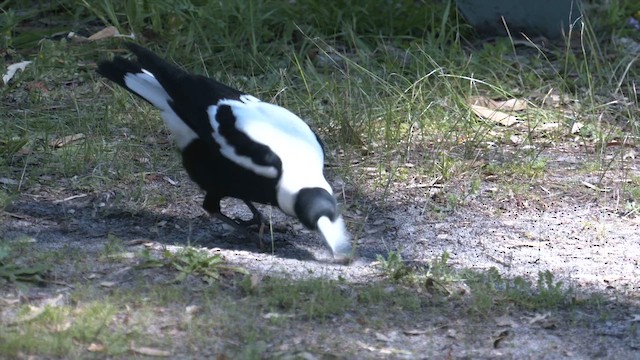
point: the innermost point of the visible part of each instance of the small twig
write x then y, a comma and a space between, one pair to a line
17, 216
24, 170
70, 198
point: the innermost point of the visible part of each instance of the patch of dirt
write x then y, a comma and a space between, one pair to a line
560, 225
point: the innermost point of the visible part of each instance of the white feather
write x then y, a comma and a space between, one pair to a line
146, 85
286, 135
229, 152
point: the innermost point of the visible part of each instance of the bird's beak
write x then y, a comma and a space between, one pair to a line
336, 235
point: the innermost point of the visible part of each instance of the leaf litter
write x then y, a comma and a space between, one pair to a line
497, 111
477, 235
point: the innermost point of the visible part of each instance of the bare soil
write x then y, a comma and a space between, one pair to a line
580, 233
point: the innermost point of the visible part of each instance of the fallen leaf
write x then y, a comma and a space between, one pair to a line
122, 255
550, 324
76, 38
512, 105
452, 333
499, 337
193, 309
95, 347
576, 127
517, 139
504, 320
631, 154
58, 328
326, 59
382, 337
107, 284
415, 332
273, 315
13, 69
108, 32
554, 100
10, 301
6, 181
506, 105
143, 350
256, 279
549, 126
531, 244
593, 187
34, 312
54, 301
37, 85
551, 100
544, 320
494, 115
170, 181
153, 177
139, 241
65, 140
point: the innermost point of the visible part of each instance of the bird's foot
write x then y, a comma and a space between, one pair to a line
242, 227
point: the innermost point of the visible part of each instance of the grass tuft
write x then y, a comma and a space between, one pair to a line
388, 91
13, 268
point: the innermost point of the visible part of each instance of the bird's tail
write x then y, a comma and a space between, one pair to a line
143, 78
167, 74
131, 76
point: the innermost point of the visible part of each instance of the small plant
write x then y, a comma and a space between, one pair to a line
112, 247
313, 298
12, 271
436, 278
393, 266
190, 261
490, 291
551, 293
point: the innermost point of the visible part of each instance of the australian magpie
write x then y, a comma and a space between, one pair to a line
234, 145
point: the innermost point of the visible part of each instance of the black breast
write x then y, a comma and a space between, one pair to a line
220, 177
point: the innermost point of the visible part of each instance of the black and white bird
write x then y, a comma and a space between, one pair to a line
234, 145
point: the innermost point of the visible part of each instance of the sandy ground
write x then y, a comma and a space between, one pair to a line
580, 233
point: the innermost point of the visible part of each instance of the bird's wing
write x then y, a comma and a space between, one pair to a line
253, 134
190, 95
267, 139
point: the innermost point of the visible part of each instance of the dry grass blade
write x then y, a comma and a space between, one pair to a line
148, 351
65, 140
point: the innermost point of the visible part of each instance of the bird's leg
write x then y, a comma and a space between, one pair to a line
212, 206
257, 219
238, 227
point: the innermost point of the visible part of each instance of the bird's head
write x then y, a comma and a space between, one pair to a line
317, 209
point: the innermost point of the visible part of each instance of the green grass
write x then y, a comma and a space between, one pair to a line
399, 111
57, 331
389, 98
13, 268
239, 312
